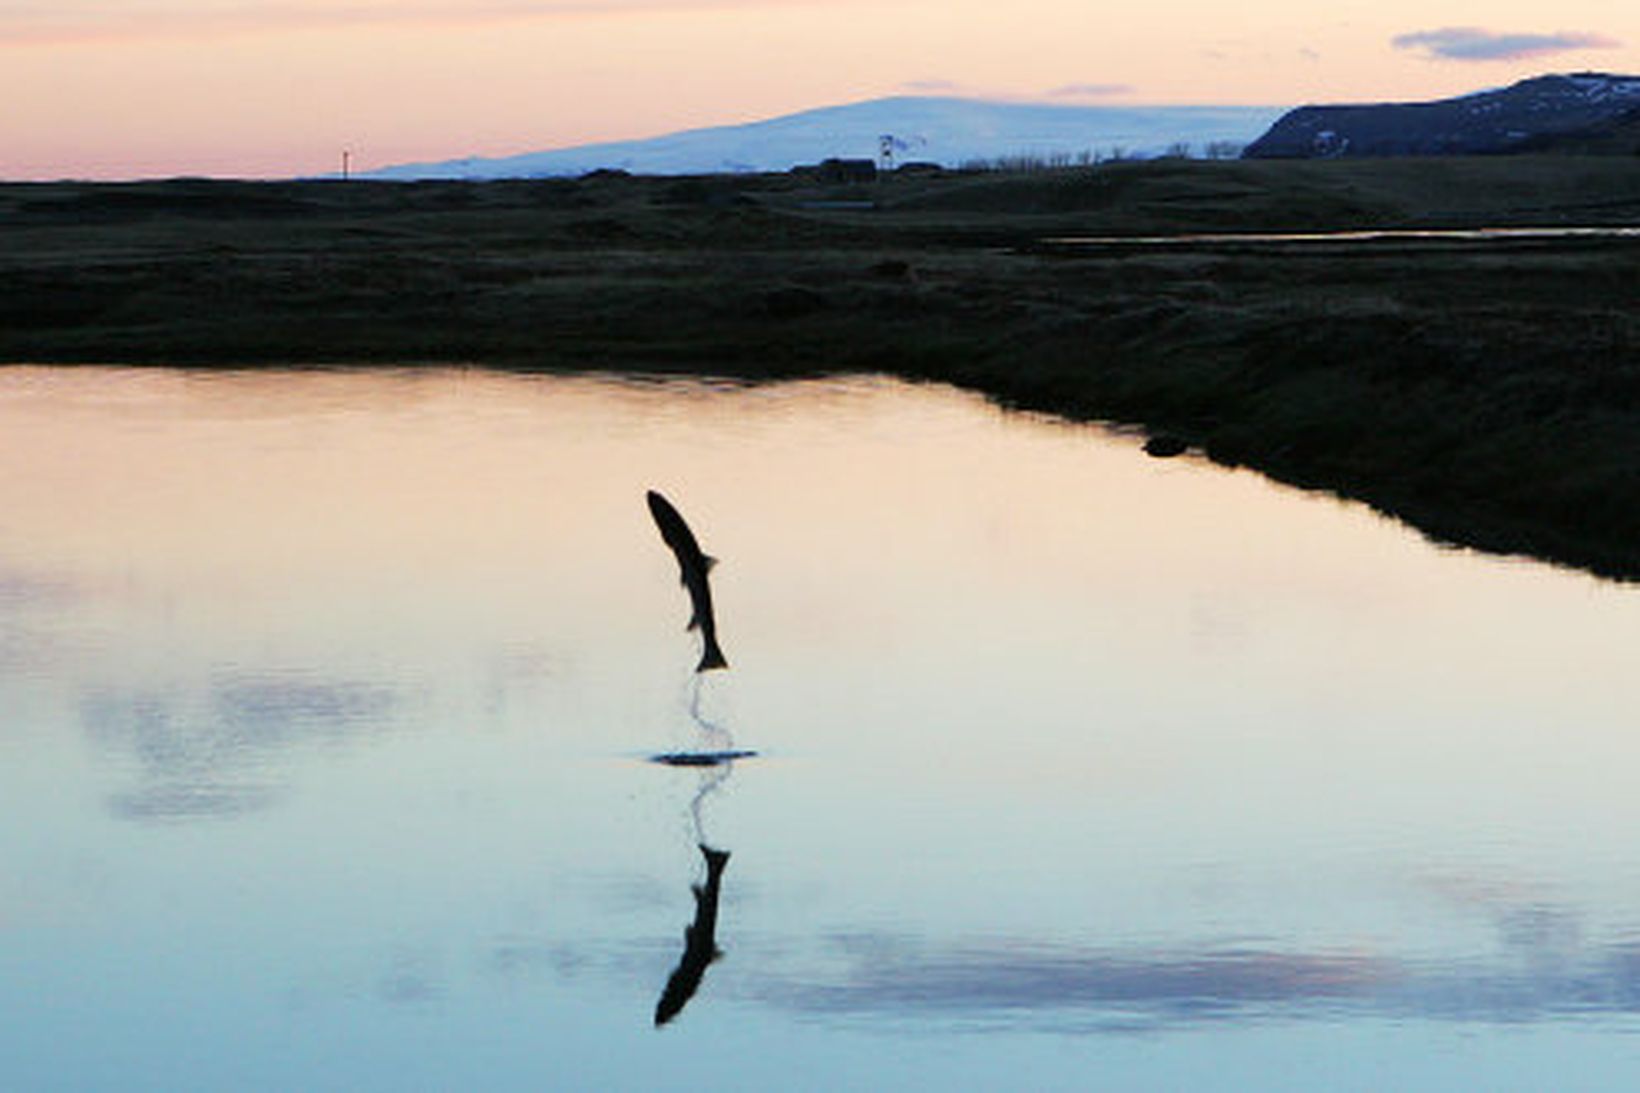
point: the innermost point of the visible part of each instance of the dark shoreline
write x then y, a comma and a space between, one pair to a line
1486, 392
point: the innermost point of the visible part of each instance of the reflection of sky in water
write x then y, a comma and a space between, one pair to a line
1019, 983
327, 696
192, 751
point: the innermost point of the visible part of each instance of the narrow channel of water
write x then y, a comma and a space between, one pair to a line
1374, 235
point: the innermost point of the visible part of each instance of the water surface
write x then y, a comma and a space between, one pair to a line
1553, 233
328, 697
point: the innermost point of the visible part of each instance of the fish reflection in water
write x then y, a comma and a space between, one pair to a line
699, 940
693, 567
700, 936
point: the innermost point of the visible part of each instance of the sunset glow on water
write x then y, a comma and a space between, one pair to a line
328, 699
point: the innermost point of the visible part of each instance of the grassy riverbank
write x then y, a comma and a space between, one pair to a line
1488, 392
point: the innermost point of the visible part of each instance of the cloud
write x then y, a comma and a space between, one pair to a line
97, 20
1089, 90
1476, 44
1070, 91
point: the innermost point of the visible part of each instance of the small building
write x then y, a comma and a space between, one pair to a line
837, 171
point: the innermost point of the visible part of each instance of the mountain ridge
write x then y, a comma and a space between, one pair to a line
941, 129
1536, 114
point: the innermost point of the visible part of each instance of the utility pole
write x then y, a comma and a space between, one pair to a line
347, 157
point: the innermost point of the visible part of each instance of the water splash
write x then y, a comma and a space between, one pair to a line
714, 736
711, 781
714, 756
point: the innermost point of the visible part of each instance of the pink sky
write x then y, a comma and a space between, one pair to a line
144, 88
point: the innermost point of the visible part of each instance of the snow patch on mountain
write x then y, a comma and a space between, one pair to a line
947, 131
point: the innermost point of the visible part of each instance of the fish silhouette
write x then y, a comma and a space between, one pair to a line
693, 566
699, 941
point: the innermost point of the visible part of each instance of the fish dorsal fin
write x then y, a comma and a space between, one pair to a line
709, 562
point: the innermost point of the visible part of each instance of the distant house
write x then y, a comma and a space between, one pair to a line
837, 171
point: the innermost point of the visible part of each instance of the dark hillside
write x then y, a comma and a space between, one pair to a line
1530, 116
1619, 137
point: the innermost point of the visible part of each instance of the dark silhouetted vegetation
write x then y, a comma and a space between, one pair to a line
1488, 392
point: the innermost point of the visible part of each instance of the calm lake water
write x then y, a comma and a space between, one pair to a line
326, 702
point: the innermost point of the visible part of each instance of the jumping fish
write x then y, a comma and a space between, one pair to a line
693, 566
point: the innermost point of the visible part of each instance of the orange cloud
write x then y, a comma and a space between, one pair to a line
89, 20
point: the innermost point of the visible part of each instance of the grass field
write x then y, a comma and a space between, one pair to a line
1487, 392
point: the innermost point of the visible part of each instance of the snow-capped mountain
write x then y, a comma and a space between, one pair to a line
1529, 115
947, 131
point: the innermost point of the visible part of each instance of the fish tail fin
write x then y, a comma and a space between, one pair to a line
711, 657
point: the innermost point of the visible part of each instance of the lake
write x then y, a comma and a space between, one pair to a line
328, 702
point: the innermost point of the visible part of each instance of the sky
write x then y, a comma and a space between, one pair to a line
279, 88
